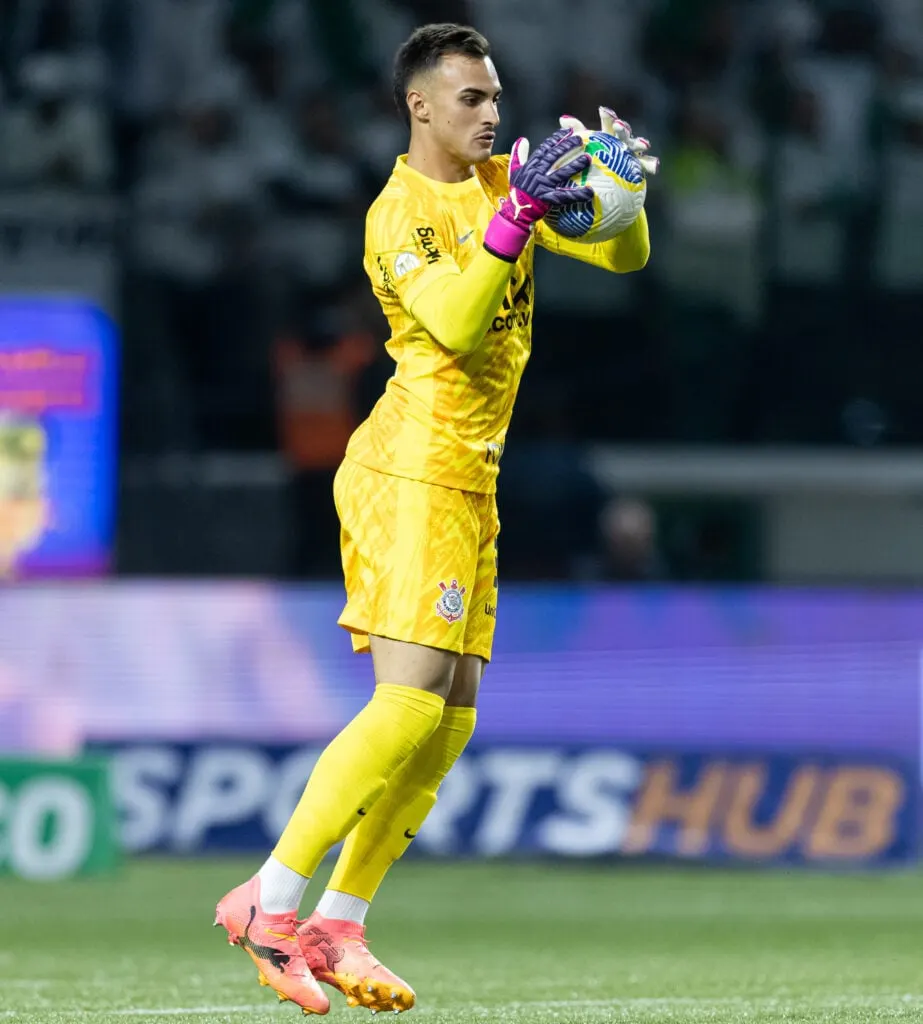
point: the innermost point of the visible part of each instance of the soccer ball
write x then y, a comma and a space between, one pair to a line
617, 178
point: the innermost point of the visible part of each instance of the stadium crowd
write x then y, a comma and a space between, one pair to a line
243, 140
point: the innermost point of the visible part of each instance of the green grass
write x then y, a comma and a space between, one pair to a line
488, 943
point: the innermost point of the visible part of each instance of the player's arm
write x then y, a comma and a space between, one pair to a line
408, 254
626, 252
455, 306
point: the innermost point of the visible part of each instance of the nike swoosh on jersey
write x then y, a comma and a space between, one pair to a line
464, 238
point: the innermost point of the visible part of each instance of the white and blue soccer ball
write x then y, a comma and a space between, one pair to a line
617, 178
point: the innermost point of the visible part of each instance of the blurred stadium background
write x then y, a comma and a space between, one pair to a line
711, 618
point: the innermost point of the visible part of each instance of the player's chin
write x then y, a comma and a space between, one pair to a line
482, 149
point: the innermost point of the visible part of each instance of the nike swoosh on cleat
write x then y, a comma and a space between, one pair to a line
362, 812
409, 835
281, 935
464, 238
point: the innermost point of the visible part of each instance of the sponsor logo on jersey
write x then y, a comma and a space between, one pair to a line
404, 262
494, 452
427, 240
451, 603
386, 280
516, 310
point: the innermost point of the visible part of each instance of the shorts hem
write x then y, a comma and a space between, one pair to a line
364, 631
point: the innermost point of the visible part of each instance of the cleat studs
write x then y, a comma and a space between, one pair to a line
394, 995
263, 979
282, 998
352, 1001
369, 988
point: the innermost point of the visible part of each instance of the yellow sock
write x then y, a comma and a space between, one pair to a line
386, 832
353, 771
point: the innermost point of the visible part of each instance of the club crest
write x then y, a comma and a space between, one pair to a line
451, 603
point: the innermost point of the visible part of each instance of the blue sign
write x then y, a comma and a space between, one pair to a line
58, 371
536, 800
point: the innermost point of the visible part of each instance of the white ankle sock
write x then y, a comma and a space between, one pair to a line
342, 907
281, 889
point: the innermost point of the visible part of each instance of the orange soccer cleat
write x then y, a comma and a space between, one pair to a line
273, 945
337, 954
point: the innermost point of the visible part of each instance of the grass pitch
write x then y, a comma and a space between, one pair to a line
486, 943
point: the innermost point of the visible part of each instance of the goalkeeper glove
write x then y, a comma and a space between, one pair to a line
536, 184
612, 124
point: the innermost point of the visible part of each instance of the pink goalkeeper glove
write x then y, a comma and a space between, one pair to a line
536, 184
612, 124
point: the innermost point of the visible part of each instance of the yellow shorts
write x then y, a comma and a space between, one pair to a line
420, 561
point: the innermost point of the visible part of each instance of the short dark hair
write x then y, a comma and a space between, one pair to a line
423, 50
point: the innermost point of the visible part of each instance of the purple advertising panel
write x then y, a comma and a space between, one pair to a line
784, 671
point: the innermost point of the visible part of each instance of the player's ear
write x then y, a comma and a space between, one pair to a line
418, 106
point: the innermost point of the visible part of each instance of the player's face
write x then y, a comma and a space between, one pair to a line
462, 96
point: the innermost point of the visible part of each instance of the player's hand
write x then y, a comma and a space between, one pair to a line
537, 183
612, 124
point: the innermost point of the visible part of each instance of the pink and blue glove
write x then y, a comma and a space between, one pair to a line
537, 184
612, 124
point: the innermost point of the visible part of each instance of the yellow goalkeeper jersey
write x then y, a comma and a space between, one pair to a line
443, 417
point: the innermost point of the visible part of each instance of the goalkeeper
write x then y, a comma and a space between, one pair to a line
449, 247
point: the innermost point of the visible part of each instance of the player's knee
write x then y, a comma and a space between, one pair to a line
466, 681
415, 665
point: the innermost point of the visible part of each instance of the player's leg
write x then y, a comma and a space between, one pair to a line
353, 771
386, 833
404, 533
383, 836
347, 781
469, 618
333, 938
